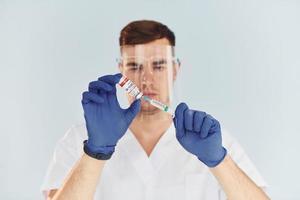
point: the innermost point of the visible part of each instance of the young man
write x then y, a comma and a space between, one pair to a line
142, 152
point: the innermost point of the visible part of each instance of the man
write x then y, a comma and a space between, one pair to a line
142, 152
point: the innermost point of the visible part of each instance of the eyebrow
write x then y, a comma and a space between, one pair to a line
132, 64
159, 62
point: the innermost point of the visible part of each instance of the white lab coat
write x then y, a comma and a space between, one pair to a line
169, 173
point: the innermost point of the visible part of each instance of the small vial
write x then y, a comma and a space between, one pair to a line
130, 87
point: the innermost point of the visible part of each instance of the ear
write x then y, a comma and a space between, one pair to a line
120, 67
176, 68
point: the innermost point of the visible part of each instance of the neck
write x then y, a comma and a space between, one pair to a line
148, 128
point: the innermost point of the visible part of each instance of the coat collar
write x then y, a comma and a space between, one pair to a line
147, 167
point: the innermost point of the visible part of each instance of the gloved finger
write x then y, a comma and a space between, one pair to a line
111, 79
91, 97
99, 86
198, 120
207, 123
133, 110
188, 119
215, 126
179, 118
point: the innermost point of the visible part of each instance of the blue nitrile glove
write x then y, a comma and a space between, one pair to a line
200, 134
106, 121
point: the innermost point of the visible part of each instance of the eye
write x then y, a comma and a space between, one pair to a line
133, 66
159, 67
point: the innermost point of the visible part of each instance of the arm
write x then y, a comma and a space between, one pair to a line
82, 180
106, 123
235, 183
200, 134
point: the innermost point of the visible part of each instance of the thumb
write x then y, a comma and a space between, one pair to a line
179, 119
133, 110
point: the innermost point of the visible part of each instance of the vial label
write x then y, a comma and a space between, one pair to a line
130, 87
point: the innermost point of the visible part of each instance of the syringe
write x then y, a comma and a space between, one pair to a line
159, 105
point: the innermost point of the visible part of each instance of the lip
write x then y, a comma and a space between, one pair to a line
149, 93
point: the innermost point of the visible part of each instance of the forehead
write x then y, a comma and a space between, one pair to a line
158, 48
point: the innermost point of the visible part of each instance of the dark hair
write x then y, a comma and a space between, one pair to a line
144, 31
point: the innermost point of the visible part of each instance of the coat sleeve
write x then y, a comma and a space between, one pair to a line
67, 152
243, 161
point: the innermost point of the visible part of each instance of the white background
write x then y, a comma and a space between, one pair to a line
240, 63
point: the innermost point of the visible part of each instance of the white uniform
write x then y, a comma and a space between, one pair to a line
169, 173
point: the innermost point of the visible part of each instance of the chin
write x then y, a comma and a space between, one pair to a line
149, 110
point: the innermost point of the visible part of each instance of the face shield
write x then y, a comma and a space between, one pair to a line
153, 69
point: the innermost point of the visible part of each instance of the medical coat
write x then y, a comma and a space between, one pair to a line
170, 172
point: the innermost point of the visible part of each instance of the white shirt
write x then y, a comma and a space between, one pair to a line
170, 172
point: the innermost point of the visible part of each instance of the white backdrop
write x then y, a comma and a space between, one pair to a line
240, 63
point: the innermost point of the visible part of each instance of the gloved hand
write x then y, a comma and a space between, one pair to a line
200, 134
106, 121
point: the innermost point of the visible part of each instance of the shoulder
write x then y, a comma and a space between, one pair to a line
241, 158
76, 132
230, 142
72, 140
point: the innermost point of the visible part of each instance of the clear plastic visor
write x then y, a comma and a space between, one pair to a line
153, 69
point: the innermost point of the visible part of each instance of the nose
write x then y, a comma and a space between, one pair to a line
147, 77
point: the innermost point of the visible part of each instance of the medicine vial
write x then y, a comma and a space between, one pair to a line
130, 87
